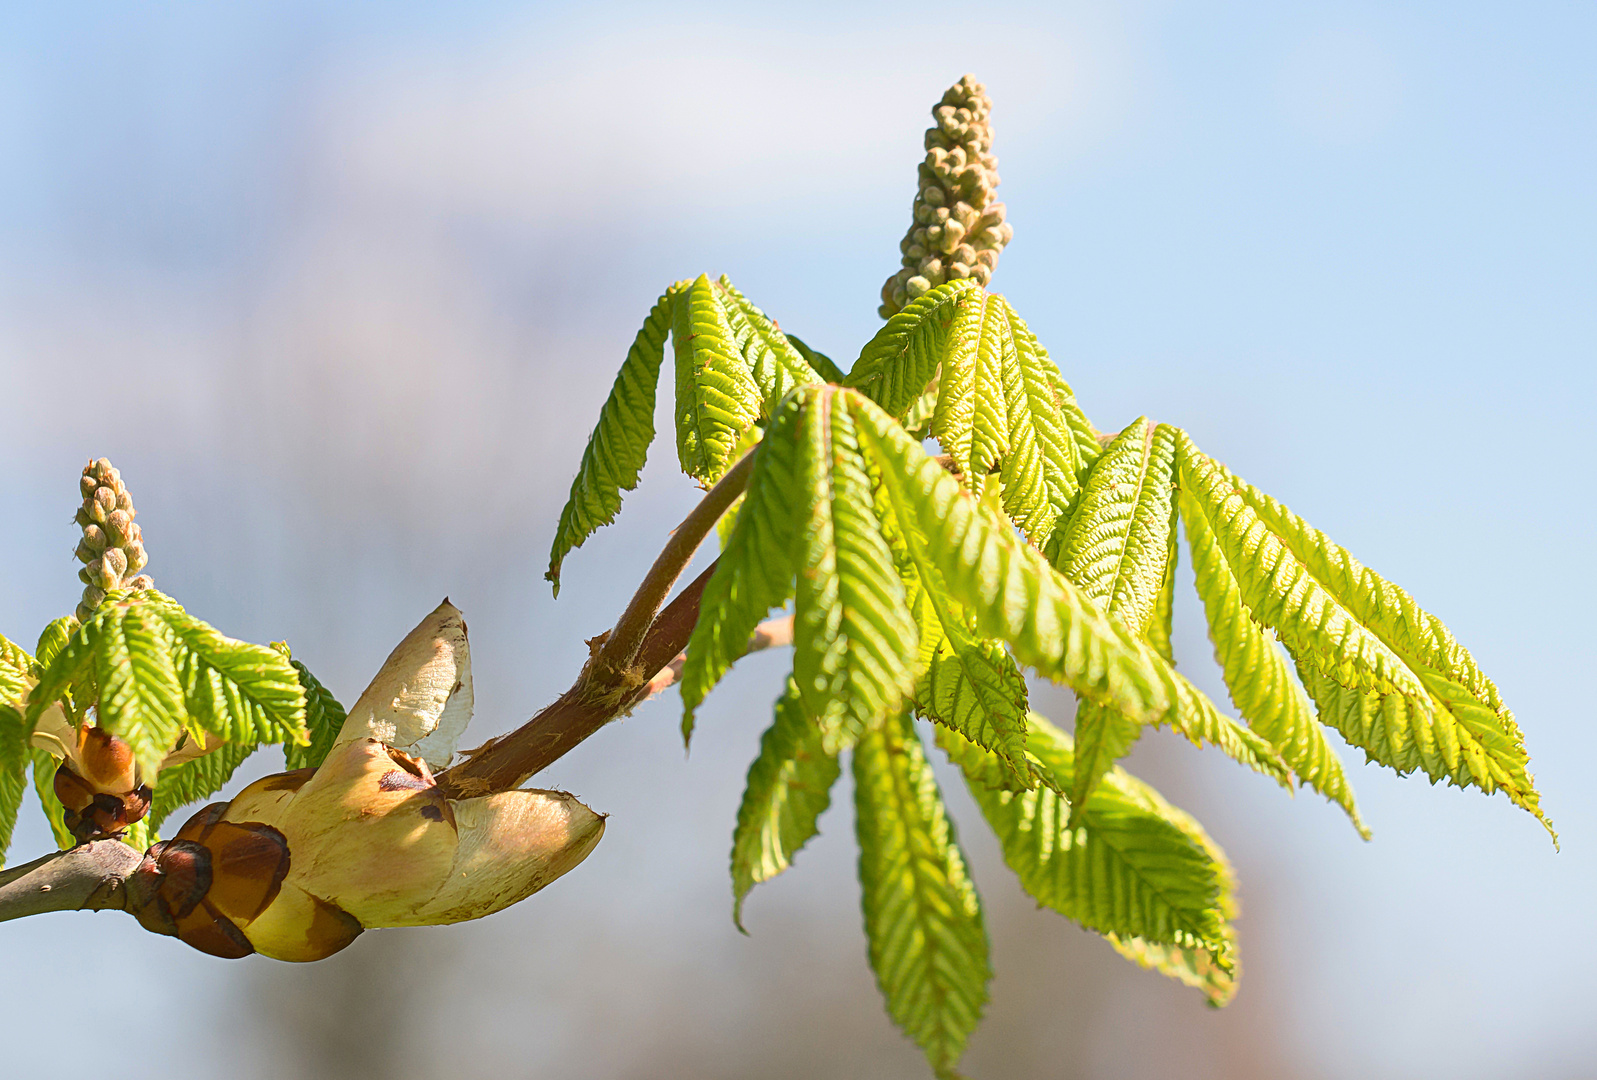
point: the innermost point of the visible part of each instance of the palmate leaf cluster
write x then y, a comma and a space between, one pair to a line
145, 670
925, 587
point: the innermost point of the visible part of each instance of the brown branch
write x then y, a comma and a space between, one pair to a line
620, 648
770, 634
89, 877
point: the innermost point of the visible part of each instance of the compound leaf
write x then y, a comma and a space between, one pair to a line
923, 921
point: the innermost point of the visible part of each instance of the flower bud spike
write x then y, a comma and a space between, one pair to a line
957, 229
112, 546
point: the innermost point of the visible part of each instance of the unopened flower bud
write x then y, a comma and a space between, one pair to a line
85, 553
94, 536
124, 501
101, 470
954, 221
105, 571
91, 598
143, 581
118, 526
87, 485
136, 557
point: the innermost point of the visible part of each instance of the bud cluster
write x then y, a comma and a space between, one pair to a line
112, 548
958, 229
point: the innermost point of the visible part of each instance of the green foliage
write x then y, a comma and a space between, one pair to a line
1385, 673
789, 787
920, 586
194, 780
923, 921
324, 718
733, 366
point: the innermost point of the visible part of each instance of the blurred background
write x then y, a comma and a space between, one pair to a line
341, 287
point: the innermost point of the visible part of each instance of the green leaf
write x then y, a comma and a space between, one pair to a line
13, 772
1009, 589
1383, 671
777, 366
819, 362
324, 719
1117, 548
1135, 866
1042, 473
1192, 966
971, 420
923, 921
44, 769
854, 641
159, 671
242, 692
620, 442
896, 365
717, 399
16, 672
141, 700
789, 787
1257, 675
755, 571
179, 785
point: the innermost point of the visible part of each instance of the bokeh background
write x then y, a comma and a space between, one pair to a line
341, 287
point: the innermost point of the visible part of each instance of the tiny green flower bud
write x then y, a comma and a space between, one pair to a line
85, 577
101, 470
105, 569
92, 597
95, 511
82, 516
87, 485
118, 527
917, 285
136, 557
84, 553
124, 501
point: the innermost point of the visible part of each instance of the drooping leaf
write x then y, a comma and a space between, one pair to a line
141, 699
16, 672
896, 365
156, 670
1383, 671
789, 787
324, 718
1011, 591
54, 638
853, 638
1117, 548
923, 921
717, 399
1041, 472
755, 571
1192, 966
1258, 676
13, 770
620, 442
44, 769
1133, 867
776, 364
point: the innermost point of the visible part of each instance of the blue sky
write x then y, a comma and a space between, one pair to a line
340, 289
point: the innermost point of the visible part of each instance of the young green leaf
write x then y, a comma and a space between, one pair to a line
896, 365
755, 571
13, 773
789, 787
16, 672
179, 785
44, 770
324, 717
777, 366
141, 699
1133, 867
1007, 586
54, 638
1117, 548
1257, 675
1042, 472
853, 638
242, 692
923, 921
1384, 672
620, 442
717, 399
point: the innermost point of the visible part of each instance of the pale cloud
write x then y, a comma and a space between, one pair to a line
679, 118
